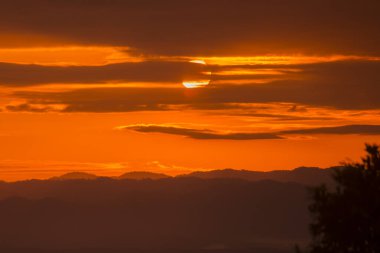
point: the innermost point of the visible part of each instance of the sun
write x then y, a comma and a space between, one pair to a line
199, 80
199, 62
196, 84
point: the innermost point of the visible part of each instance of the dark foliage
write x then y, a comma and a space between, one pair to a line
347, 219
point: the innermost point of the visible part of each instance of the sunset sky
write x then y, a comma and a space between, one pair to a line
169, 86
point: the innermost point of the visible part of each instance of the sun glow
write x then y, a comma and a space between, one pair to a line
198, 62
196, 84
201, 82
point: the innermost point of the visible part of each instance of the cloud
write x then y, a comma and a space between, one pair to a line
66, 55
148, 71
201, 27
206, 134
202, 134
351, 85
12, 169
29, 108
282, 117
341, 130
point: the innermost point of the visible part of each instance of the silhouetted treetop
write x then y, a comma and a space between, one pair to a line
347, 218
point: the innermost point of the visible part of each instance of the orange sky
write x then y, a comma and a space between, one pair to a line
109, 97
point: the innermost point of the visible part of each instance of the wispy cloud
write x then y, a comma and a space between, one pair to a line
203, 134
207, 134
345, 85
67, 55
12, 169
146, 71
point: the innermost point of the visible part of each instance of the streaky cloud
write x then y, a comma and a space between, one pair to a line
351, 85
207, 134
202, 134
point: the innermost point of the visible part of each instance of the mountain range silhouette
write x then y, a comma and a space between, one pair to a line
216, 211
302, 175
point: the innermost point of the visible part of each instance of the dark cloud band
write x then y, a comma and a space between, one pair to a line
147, 71
202, 134
203, 27
206, 134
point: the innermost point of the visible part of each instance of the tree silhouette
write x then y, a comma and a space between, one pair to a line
347, 218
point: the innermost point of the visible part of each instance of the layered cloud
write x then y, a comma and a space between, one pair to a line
275, 71
11, 169
119, 56
206, 134
203, 134
67, 55
344, 85
129, 72
198, 27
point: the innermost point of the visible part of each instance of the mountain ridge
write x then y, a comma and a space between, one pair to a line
303, 175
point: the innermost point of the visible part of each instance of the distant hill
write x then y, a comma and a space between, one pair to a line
302, 175
76, 176
139, 175
134, 175
171, 215
218, 211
